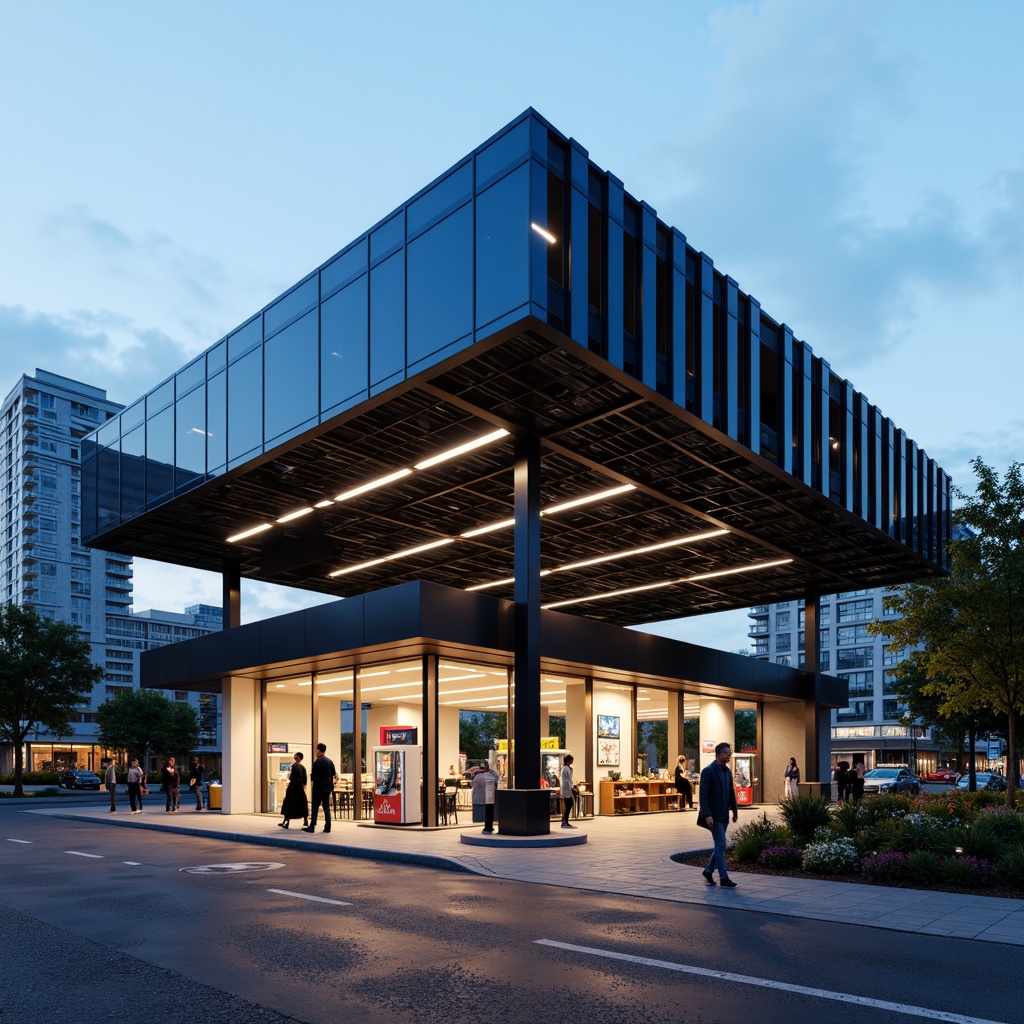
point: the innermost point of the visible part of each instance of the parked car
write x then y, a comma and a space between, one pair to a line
986, 780
78, 779
949, 775
891, 780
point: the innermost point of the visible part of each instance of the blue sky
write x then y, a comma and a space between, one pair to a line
167, 169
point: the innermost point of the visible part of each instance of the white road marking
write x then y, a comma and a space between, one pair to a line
306, 896
781, 986
230, 869
27, 842
132, 863
75, 853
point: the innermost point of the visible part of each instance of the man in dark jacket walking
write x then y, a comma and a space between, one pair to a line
717, 799
321, 780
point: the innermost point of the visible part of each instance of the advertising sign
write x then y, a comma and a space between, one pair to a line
387, 809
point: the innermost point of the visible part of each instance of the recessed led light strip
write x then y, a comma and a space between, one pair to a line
586, 499
371, 485
670, 583
614, 556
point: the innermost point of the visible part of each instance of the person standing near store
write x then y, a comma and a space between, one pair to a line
295, 803
110, 780
321, 778
196, 777
791, 782
171, 785
135, 786
485, 789
683, 785
717, 798
855, 783
565, 790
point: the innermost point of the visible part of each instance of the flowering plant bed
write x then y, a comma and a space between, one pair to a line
951, 842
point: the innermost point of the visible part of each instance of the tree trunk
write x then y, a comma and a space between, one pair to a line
19, 765
972, 731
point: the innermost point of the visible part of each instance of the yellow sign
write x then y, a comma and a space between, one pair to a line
550, 743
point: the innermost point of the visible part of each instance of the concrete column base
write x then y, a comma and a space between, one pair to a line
524, 812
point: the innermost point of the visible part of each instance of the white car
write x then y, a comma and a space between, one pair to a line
891, 780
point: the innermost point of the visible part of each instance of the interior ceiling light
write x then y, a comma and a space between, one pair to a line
481, 530
670, 583
611, 492
544, 233
391, 558
372, 485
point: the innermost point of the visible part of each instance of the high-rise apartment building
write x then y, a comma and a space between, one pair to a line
44, 566
871, 729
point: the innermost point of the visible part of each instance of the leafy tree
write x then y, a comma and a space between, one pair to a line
478, 731
971, 623
45, 672
141, 720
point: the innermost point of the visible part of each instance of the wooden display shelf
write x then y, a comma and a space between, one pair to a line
645, 796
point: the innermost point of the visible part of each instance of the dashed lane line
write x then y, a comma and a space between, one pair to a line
75, 853
306, 896
27, 842
780, 986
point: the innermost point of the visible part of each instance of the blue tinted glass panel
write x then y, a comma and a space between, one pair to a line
440, 268
217, 357
444, 196
159, 398
344, 352
159, 455
503, 246
387, 236
245, 338
193, 374
108, 487
299, 300
348, 265
290, 364
387, 318
133, 416
108, 434
503, 153
190, 452
217, 422
133, 472
245, 404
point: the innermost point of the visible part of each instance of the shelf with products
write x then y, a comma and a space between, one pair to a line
638, 796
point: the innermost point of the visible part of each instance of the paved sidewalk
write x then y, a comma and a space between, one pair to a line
631, 858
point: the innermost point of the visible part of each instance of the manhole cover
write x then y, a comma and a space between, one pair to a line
232, 869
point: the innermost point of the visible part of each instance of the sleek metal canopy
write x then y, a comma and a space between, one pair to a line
654, 548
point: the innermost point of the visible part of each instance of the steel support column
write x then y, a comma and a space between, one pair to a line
816, 750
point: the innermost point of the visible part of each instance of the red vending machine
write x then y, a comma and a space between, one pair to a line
396, 785
743, 777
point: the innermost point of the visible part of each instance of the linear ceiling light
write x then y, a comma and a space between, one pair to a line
249, 533
391, 558
452, 453
544, 233
295, 515
372, 485
669, 583
481, 530
587, 499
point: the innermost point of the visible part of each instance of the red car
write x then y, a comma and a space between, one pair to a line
949, 775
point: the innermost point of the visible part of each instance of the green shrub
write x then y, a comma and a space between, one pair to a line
803, 814
889, 805
966, 872
31, 779
838, 857
980, 839
1006, 824
917, 831
1009, 868
851, 817
755, 836
923, 867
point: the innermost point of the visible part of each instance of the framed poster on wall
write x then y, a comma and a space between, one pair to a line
607, 752
608, 727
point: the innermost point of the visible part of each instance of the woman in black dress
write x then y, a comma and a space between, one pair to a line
683, 786
295, 804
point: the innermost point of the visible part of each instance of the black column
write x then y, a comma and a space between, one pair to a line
526, 727
231, 608
430, 664
813, 768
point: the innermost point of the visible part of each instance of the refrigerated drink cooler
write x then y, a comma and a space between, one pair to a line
744, 776
396, 785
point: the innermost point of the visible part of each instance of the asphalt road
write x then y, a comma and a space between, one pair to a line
130, 925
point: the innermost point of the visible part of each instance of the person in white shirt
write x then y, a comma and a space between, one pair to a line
565, 790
